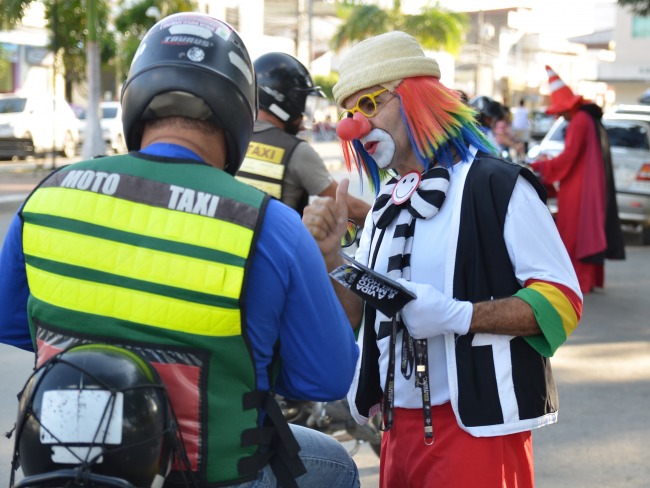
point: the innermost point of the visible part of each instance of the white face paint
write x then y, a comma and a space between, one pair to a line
381, 146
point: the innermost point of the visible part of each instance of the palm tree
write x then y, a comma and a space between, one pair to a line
4, 64
67, 23
75, 27
434, 27
639, 7
11, 12
135, 19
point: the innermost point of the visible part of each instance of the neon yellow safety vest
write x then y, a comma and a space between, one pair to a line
265, 164
153, 254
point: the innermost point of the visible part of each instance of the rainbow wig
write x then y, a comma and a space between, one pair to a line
440, 127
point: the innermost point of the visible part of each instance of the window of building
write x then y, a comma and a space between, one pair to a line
640, 27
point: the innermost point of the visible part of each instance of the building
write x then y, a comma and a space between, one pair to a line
629, 73
596, 46
28, 60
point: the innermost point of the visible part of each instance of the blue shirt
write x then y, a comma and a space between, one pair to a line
289, 301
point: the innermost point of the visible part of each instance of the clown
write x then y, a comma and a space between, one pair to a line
587, 216
461, 374
438, 127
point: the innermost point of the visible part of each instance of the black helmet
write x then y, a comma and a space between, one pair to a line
192, 65
489, 109
95, 412
283, 85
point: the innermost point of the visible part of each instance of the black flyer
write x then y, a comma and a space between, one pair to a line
383, 293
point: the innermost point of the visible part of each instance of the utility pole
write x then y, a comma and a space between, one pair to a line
93, 144
310, 30
304, 32
479, 55
55, 47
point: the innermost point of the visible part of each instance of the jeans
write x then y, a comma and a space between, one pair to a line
328, 463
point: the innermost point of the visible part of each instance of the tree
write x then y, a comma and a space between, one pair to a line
71, 31
326, 84
434, 27
135, 19
67, 23
4, 63
639, 7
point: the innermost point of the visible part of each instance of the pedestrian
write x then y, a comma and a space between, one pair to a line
164, 251
462, 373
504, 140
587, 214
521, 127
489, 113
278, 162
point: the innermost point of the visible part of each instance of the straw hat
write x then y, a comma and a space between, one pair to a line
562, 98
382, 59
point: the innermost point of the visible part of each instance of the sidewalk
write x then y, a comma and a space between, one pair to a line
18, 180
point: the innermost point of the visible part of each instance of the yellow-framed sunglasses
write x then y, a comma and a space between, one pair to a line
366, 104
351, 234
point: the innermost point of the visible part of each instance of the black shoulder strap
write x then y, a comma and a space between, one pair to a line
279, 447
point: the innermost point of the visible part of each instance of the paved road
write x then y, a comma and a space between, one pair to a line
602, 438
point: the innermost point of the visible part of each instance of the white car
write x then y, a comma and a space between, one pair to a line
32, 125
629, 139
540, 123
110, 114
631, 109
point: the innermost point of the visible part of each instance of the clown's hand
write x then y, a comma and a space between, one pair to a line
326, 219
433, 313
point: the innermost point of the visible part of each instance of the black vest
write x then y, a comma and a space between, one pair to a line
266, 163
483, 271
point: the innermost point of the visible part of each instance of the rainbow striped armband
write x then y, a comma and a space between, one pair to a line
557, 309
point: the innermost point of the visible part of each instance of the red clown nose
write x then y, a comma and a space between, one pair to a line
354, 127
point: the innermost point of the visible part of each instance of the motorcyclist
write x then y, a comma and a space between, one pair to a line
213, 281
277, 161
490, 112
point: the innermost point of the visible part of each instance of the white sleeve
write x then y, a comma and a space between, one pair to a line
534, 244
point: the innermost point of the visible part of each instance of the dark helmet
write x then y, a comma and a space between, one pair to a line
70, 400
283, 85
195, 66
489, 109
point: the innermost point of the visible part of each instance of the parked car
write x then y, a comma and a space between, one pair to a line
110, 114
32, 125
540, 123
625, 108
629, 139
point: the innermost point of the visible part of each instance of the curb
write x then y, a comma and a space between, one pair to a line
12, 197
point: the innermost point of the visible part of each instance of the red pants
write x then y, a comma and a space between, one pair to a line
455, 459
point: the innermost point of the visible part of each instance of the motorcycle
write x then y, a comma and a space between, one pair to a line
335, 419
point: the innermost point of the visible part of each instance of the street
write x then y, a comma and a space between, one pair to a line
602, 374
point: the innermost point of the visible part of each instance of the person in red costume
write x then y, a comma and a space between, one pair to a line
587, 216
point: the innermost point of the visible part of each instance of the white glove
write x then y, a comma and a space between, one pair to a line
433, 313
